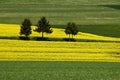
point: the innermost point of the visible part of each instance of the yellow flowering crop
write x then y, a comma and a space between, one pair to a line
19, 50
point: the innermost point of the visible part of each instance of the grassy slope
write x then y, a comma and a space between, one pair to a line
59, 71
102, 15
60, 12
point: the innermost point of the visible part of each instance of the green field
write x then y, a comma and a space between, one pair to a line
95, 55
59, 71
83, 12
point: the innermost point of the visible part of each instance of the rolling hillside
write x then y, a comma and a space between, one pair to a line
95, 55
83, 12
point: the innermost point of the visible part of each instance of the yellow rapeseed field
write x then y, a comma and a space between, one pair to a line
56, 50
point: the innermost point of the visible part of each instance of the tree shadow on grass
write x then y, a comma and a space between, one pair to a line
14, 38
40, 39
24, 38
9, 37
92, 40
112, 6
53, 39
70, 39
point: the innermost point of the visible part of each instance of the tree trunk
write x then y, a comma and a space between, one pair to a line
27, 37
42, 35
69, 36
72, 36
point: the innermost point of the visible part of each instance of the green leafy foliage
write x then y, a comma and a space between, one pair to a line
25, 28
71, 29
43, 26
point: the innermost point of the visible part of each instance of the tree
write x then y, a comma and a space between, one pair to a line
25, 28
68, 29
43, 26
71, 29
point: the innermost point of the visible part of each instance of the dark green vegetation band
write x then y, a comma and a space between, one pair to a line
59, 70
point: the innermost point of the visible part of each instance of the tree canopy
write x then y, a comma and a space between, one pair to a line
71, 29
43, 26
25, 28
